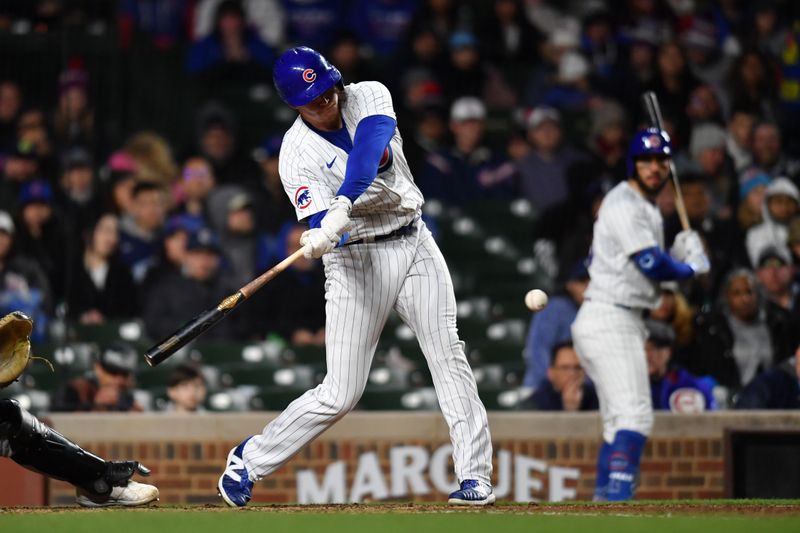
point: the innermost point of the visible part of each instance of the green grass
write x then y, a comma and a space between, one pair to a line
557, 518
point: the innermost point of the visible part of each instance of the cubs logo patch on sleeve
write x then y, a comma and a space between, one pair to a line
302, 197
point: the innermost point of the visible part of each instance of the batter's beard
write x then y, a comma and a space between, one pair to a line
649, 191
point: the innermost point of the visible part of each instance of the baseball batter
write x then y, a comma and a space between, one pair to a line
343, 169
628, 264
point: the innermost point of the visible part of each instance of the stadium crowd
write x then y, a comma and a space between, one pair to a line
101, 219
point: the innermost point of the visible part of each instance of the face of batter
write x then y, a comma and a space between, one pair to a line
323, 112
651, 175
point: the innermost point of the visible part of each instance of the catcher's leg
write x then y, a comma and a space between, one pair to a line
40, 448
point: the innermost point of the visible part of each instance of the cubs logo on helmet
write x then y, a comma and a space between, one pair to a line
309, 75
649, 141
302, 197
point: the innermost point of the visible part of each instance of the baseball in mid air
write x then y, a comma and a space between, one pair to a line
536, 299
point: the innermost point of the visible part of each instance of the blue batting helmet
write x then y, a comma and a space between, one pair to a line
302, 74
650, 141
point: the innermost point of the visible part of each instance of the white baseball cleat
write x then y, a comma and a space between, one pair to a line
472, 492
130, 495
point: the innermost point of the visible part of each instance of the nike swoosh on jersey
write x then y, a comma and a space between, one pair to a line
329, 165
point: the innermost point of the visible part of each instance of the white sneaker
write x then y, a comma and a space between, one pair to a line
131, 495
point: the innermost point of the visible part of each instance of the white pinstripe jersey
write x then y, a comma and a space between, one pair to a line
312, 169
626, 224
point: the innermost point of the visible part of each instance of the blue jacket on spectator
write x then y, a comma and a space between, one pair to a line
208, 53
546, 398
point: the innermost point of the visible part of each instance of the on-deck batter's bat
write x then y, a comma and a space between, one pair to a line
207, 319
654, 111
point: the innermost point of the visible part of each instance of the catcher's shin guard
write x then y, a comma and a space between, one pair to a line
38, 447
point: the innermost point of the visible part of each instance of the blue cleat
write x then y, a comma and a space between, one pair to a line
472, 492
234, 484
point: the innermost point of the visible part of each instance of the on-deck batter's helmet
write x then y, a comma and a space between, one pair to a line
302, 74
650, 141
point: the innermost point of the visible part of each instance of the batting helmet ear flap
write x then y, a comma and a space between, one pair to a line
649, 141
302, 74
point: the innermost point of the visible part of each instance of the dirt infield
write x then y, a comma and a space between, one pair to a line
713, 508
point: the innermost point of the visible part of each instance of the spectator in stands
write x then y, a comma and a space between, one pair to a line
709, 62
739, 141
152, 158
313, 22
707, 150
199, 285
794, 244
218, 144
635, 70
101, 286
751, 84
608, 142
186, 389
41, 234
345, 53
301, 290
468, 75
768, 152
769, 34
121, 181
774, 275
428, 137
507, 38
469, 170
197, 182
23, 284
175, 237
572, 93
18, 167
743, 336
565, 388
79, 201
32, 131
73, 120
672, 388
272, 208
550, 327
381, 24
673, 84
562, 39
777, 388
266, 17
544, 173
10, 106
781, 204
753, 184
109, 388
238, 239
232, 51
140, 231
674, 310
704, 106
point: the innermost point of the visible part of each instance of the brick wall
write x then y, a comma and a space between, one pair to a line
683, 459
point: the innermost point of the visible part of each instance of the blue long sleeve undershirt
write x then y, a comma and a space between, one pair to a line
372, 136
657, 265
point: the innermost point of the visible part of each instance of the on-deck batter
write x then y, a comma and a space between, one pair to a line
628, 264
343, 168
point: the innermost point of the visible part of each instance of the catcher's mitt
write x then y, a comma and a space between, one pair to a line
15, 346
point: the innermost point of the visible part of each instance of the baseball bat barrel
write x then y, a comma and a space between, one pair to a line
653, 109
209, 318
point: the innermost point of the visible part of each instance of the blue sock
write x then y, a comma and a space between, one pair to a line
623, 464
601, 485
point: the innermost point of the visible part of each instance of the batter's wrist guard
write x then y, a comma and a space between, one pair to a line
40, 448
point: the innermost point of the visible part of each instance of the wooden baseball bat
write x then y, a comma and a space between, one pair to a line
207, 319
654, 111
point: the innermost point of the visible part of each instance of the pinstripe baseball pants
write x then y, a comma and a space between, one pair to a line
610, 345
364, 282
